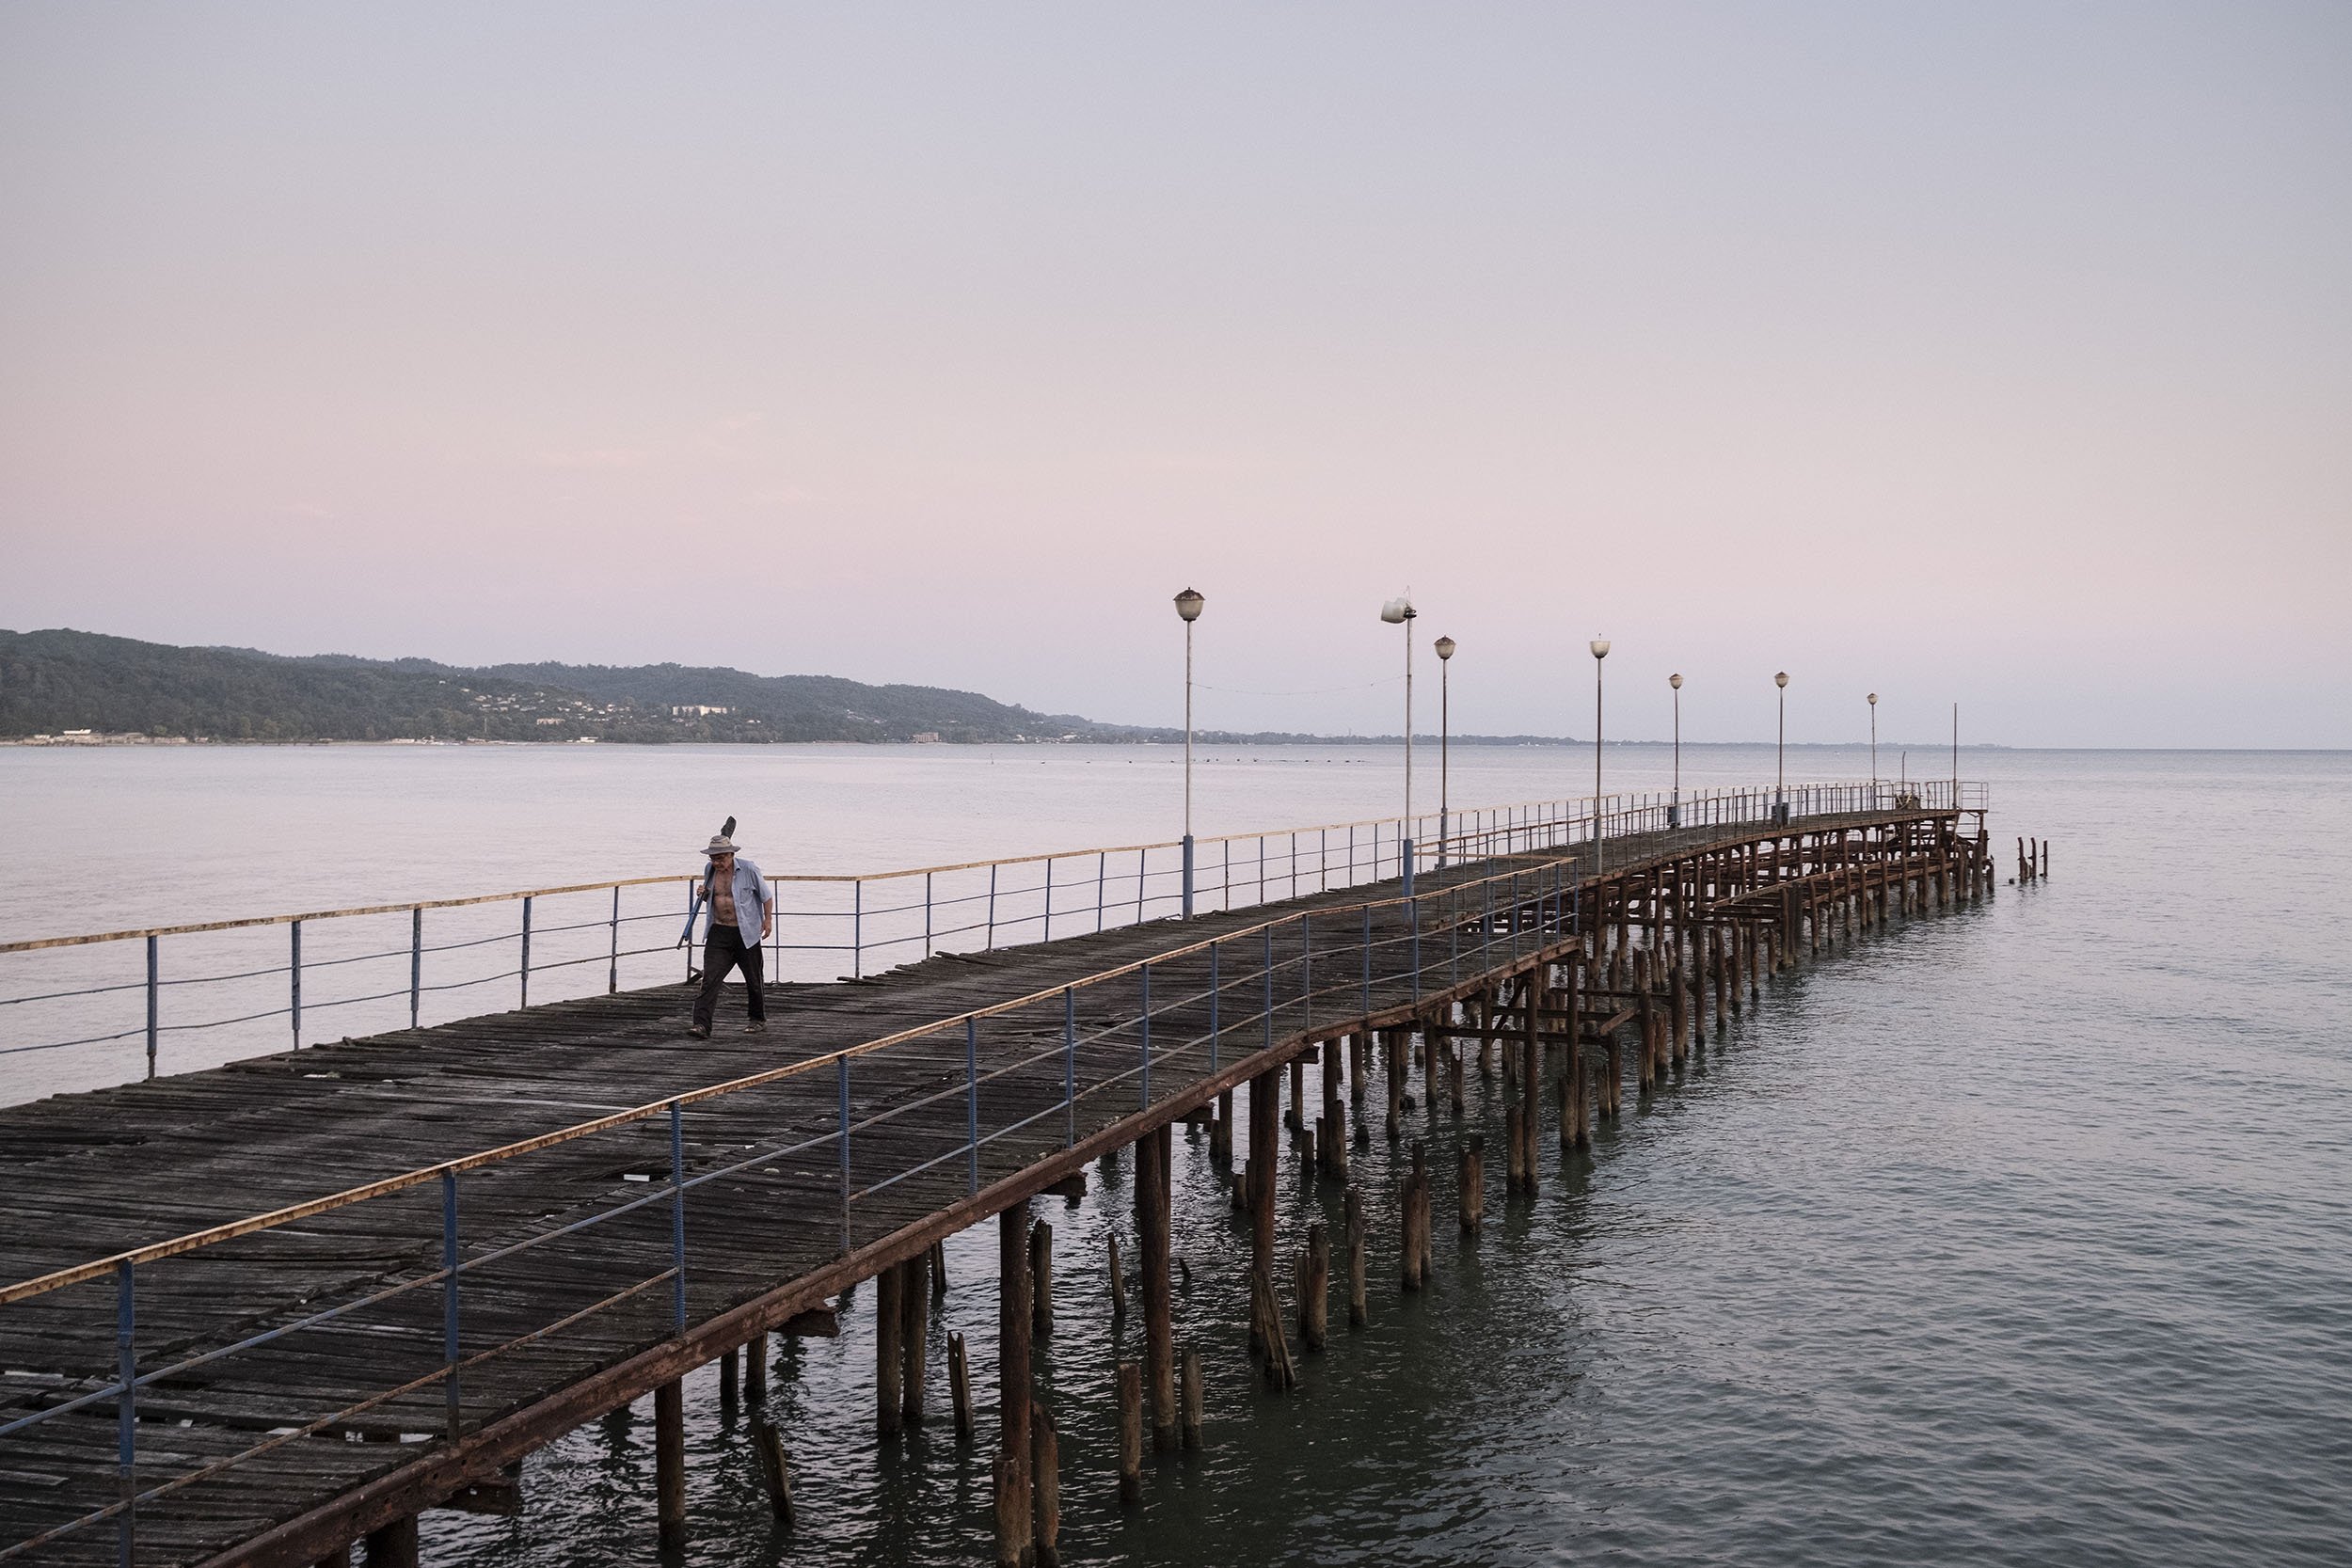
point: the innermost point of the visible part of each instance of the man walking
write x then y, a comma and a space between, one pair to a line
740, 920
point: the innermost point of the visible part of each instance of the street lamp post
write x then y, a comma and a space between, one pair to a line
1673, 808
1874, 750
1600, 651
1400, 611
1188, 605
1445, 731
1780, 766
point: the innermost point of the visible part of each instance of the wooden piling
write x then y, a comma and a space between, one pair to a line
730, 1378
1359, 1299
1470, 1182
775, 1474
1393, 1076
1264, 1133
1295, 1115
394, 1545
755, 1370
1015, 1543
1221, 1131
1274, 1339
1333, 1119
1119, 1280
1130, 1433
1514, 1148
1044, 1486
1040, 1279
889, 1356
1314, 1289
1188, 1378
669, 1466
1409, 1249
959, 1386
915, 1307
1153, 1154
1530, 1083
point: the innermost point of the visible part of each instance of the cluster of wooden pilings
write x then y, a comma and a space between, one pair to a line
2033, 859
1659, 957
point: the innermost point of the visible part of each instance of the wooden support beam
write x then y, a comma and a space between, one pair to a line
959, 1386
889, 1359
1265, 1134
915, 1328
1015, 1529
669, 1466
1358, 1302
775, 1474
394, 1545
1471, 1185
1044, 1487
1130, 1433
1152, 1157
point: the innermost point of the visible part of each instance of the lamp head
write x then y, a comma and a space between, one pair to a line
1444, 646
1781, 680
1188, 604
1674, 681
1397, 610
1600, 647
1874, 699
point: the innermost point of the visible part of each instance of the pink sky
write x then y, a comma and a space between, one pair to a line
1998, 354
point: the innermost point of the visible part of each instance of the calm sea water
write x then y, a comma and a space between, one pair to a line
2020, 1235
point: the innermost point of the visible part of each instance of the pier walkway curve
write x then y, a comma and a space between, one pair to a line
263, 1312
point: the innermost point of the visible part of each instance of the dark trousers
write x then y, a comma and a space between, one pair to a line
723, 950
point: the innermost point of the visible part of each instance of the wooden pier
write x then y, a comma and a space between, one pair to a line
268, 1313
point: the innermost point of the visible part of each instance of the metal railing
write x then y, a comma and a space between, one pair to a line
236, 987
1015, 1082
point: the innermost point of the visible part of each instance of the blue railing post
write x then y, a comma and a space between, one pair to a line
526, 969
857, 930
1404, 859
155, 981
126, 1414
1047, 935
689, 927
1215, 991
295, 968
1412, 916
927, 913
1145, 974
1269, 988
1102, 876
1367, 960
1069, 1065
841, 1079
449, 1293
1188, 876
678, 1213
991, 905
612, 950
972, 1103
1307, 966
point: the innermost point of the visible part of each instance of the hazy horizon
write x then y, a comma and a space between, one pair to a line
1995, 354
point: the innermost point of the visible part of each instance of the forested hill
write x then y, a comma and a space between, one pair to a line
56, 681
